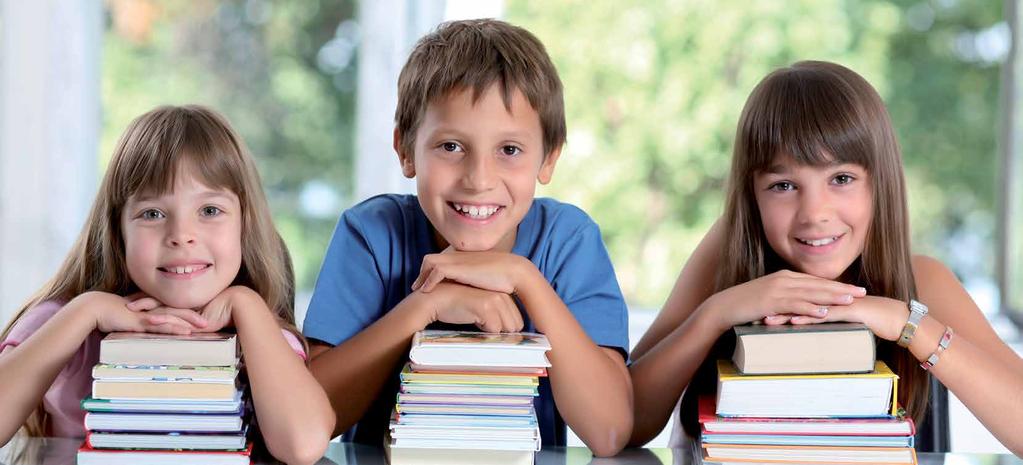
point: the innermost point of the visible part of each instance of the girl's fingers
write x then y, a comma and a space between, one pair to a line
838, 288
807, 320
775, 320
191, 317
825, 296
143, 304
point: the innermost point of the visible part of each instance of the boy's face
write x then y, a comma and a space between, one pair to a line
815, 218
477, 165
183, 247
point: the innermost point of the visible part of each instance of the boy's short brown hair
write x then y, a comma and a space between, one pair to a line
476, 54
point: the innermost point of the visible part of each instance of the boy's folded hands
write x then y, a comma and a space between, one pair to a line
489, 310
493, 271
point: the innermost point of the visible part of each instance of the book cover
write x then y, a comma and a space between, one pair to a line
125, 390
233, 405
218, 442
804, 349
165, 373
809, 454
478, 349
504, 379
87, 455
807, 396
163, 422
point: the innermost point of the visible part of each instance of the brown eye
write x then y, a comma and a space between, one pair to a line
510, 150
843, 179
450, 147
782, 186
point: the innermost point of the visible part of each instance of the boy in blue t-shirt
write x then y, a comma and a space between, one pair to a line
480, 120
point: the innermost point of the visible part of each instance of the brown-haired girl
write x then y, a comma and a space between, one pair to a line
179, 240
816, 229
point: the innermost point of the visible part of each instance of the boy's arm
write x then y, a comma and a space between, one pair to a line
591, 385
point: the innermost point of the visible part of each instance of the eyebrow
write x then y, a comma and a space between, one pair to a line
205, 195
779, 168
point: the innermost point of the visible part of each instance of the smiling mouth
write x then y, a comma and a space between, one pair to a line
819, 242
183, 270
476, 212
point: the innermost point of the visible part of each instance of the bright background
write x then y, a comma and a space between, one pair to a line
653, 93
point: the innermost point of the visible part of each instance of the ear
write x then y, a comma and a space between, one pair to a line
408, 165
547, 167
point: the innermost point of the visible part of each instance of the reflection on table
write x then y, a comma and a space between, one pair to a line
54, 451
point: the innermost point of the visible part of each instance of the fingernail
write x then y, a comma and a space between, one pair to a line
862, 290
822, 310
847, 298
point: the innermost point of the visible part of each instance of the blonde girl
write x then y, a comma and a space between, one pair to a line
179, 240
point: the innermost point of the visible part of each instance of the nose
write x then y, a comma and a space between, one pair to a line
479, 172
815, 206
180, 232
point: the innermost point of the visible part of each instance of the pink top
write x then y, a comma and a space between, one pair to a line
63, 400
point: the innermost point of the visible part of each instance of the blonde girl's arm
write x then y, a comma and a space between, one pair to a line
30, 368
294, 415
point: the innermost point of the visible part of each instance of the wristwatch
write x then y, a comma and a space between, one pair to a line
917, 311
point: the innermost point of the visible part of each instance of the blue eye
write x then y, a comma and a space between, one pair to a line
510, 150
210, 210
152, 214
782, 186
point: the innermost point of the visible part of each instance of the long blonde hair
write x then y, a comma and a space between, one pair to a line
811, 111
146, 160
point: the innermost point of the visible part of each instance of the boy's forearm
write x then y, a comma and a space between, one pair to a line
353, 372
678, 354
294, 413
591, 385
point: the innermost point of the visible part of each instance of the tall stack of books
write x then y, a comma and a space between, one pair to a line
162, 399
467, 398
809, 394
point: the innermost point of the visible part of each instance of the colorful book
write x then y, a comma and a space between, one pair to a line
409, 398
233, 405
862, 395
404, 455
166, 441
509, 379
477, 349
806, 440
165, 373
405, 409
803, 349
197, 349
713, 424
471, 389
177, 390
88, 455
163, 422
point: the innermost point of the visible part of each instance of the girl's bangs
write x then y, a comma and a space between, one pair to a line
809, 115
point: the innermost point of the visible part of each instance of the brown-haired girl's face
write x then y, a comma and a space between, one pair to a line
183, 247
815, 217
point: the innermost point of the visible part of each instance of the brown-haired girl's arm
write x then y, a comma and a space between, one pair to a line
693, 318
354, 372
29, 368
978, 367
293, 412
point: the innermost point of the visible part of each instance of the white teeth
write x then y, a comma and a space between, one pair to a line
476, 212
819, 242
184, 269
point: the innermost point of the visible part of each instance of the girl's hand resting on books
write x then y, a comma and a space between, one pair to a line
779, 296
885, 317
494, 271
461, 304
117, 313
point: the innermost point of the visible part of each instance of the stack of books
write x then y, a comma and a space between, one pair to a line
166, 399
809, 394
467, 398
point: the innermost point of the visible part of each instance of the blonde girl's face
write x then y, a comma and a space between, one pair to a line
183, 247
815, 217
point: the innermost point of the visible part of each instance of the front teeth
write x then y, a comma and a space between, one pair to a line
184, 269
475, 212
819, 242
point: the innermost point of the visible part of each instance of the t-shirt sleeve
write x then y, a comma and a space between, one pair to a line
30, 322
585, 280
349, 292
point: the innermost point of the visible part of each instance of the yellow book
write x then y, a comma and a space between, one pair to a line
853, 395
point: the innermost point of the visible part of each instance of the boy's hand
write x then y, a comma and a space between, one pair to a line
462, 304
493, 271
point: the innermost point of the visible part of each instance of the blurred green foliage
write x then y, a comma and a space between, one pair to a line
282, 72
653, 91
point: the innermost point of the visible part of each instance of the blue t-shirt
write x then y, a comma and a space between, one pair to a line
376, 253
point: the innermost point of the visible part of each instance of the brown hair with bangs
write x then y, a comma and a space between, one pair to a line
475, 54
818, 113
150, 153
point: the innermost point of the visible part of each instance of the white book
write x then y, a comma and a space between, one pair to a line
159, 442
439, 348
97, 421
197, 349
